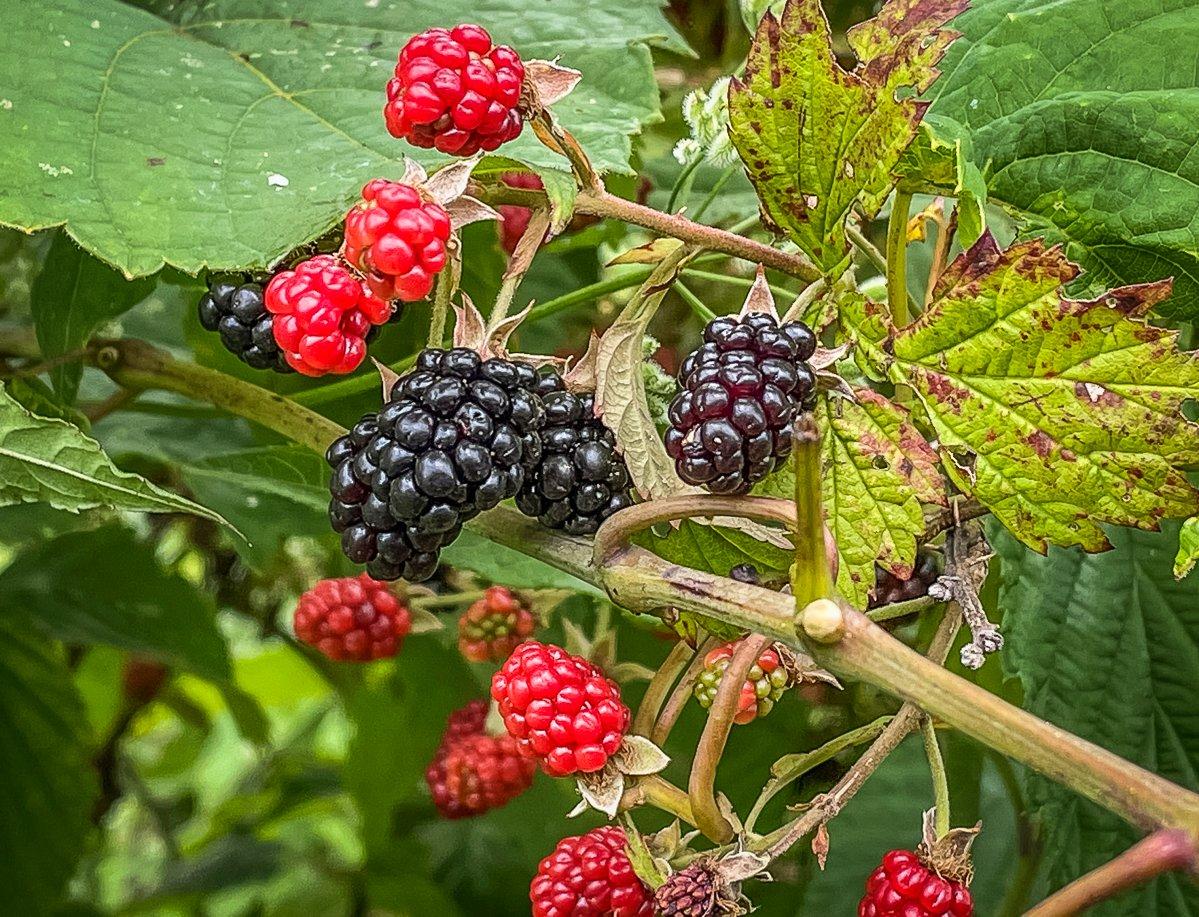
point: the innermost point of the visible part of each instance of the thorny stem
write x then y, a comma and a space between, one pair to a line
906, 720
600, 203
936, 766
681, 694
701, 787
897, 246
1162, 851
659, 687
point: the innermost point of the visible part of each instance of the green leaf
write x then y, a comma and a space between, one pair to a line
72, 296
1055, 413
1105, 647
500, 564
268, 493
223, 134
106, 587
816, 139
938, 162
43, 460
49, 783
1188, 547
713, 548
877, 472
1085, 119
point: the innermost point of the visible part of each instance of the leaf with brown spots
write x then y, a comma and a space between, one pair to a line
878, 471
1057, 414
815, 138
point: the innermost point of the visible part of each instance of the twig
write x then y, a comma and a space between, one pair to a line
122, 397
897, 259
701, 787
43, 366
659, 687
448, 600
681, 694
601, 203
1162, 851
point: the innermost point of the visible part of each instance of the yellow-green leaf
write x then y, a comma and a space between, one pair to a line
815, 138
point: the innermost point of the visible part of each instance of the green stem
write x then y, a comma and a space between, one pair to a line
441, 307
897, 248
659, 687
811, 577
866, 247
936, 766
781, 293
684, 179
660, 793
900, 609
448, 600
717, 187
623, 281
701, 311
681, 694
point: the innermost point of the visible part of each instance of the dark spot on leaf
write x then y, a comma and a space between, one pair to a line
1041, 443
300, 24
155, 160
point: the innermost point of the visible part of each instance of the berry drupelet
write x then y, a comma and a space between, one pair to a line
494, 626
455, 91
731, 423
590, 876
581, 479
455, 438
397, 238
235, 308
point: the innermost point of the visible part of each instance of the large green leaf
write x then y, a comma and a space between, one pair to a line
106, 587
225, 133
817, 139
1106, 647
1085, 115
43, 460
44, 764
1057, 414
268, 493
72, 296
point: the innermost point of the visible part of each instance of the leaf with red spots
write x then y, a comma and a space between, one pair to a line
1057, 414
878, 471
816, 138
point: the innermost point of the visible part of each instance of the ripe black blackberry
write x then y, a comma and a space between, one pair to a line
455, 438
581, 479
889, 588
731, 423
234, 308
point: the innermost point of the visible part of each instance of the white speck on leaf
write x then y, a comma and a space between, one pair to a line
251, 501
65, 43
95, 23
275, 180
1094, 392
848, 169
55, 171
811, 200
6, 104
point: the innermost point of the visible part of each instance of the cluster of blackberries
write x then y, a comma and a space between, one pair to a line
455, 438
731, 423
235, 308
458, 435
889, 588
581, 479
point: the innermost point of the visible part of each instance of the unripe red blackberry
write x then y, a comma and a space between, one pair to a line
473, 774
397, 237
494, 626
590, 876
560, 708
515, 219
354, 618
581, 479
455, 91
235, 308
455, 438
467, 720
764, 684
731, 423
142, 679
903, 886
322, 316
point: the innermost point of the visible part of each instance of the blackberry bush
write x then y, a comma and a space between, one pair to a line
581, 478
456, 437
730, 425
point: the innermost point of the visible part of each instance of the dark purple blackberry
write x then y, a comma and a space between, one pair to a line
456, 437
889, 588
731, 423
581, 479
233, 307
746, 573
